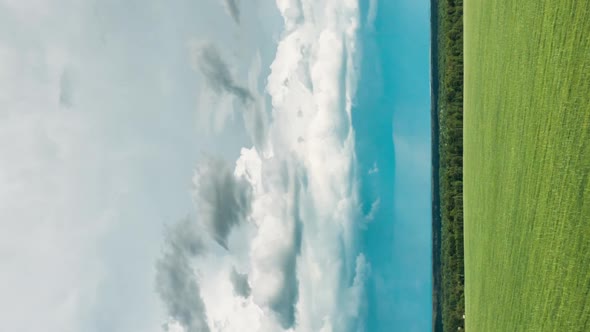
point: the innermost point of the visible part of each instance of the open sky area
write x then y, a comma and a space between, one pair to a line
215, 165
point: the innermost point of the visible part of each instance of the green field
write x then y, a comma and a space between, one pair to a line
526, 165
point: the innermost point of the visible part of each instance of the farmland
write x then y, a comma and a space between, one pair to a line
526, 165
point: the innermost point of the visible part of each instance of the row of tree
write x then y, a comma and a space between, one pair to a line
450, 117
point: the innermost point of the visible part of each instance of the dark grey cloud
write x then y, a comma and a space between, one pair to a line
286, 177
233, 9
175, 280
209, 62
284, 305
240, 283
222, 199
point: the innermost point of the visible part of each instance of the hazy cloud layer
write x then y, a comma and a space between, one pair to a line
98, 134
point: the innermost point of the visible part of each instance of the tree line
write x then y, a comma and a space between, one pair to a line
450, 122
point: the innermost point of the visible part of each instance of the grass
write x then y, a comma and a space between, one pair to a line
526, 165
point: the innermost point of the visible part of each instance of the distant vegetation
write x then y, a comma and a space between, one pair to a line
527, 165
448, 244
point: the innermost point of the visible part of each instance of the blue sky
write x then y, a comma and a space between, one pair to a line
392, 120
214, 165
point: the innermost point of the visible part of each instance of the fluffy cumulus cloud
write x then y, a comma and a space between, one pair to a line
277, 243
279, 247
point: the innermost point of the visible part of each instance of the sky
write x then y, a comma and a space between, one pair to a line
392, 123
214, 165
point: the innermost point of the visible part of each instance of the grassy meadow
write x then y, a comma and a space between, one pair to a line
527, 165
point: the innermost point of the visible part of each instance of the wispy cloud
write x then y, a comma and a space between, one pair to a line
374, 209
233, 9
208, 60
374, 169
372, 14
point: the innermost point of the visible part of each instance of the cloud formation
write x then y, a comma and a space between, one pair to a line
83, 125
374, 209
208, 60
277, 243
222, 199
233, 9
289, 215
372, 14
240, 283
176, 282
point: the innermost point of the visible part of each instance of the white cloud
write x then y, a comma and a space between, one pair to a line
303, 263
174, 326
374, 169
373, 211
372, 14
98, 141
